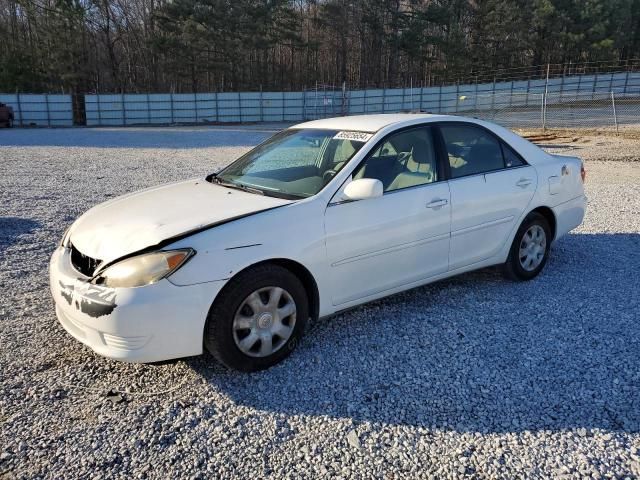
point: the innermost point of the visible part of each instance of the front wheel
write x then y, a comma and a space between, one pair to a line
530, 248
257, 319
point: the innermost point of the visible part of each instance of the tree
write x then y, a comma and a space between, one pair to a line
221, 45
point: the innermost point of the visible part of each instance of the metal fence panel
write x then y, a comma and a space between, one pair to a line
160, 108
293, 106
375, 100
567, 100
103, 110
41, 110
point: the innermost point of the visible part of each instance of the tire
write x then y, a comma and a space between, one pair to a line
533, 259
233, 323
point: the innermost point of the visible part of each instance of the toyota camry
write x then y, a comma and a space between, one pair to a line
321, 217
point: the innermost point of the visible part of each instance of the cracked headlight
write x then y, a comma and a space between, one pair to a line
143, 269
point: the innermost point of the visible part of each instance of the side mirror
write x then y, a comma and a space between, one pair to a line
363, 188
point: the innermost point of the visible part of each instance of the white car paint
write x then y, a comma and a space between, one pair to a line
355, 251
486, 209
385, 242
132, 222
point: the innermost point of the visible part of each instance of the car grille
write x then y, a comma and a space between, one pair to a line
83, 263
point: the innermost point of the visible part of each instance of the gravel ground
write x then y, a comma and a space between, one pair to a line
596, 147
474, 376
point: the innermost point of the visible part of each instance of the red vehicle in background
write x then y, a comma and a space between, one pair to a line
6, 115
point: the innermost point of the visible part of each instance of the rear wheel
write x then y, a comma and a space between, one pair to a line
258, 318
530, 248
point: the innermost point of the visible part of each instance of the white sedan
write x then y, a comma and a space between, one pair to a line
321, 217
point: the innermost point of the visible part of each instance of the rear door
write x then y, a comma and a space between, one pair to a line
491, 186
402, 237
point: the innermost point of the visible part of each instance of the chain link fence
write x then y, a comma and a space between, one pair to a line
582, 110
604, 110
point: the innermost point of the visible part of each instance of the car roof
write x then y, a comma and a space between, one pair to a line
370, 123
373, 123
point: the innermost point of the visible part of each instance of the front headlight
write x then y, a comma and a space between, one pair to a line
143, 269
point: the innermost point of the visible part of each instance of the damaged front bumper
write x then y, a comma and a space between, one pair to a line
144, 324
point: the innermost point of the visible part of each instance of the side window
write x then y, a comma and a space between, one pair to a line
471, 150
511, 158
406, 159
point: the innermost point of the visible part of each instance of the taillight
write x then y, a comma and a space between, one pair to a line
583, 172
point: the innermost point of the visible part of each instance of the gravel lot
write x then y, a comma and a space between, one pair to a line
471, 376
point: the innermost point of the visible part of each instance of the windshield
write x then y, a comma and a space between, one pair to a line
293, 163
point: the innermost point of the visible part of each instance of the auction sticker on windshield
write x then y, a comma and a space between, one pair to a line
353, 136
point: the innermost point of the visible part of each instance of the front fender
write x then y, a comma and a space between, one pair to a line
294, 232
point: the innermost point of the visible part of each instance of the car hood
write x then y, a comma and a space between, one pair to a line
147, 218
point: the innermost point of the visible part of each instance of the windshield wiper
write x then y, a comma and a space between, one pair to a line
237, 186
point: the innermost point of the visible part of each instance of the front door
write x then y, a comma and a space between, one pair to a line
402, 237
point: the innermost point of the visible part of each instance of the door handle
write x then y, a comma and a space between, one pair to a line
523, 182
437, 202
